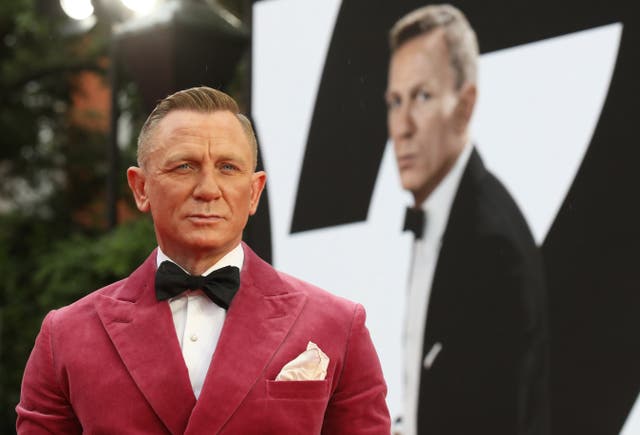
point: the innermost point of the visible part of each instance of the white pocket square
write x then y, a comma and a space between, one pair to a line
430, 357
310, 365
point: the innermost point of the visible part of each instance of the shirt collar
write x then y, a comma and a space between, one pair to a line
438, 205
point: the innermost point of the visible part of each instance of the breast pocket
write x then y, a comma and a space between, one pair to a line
298, 390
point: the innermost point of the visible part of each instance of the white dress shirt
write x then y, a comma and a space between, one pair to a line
198, 321
423, 264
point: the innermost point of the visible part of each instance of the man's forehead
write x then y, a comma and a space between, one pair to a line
194, 128
431, 45
186, 124
187, 118
420, 60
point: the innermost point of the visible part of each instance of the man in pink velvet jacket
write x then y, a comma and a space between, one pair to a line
140, 357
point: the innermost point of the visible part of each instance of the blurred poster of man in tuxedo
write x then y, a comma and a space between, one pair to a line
475, 331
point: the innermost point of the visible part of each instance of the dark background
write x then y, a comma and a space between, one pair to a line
590, 252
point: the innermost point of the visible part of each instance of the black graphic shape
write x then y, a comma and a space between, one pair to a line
257, 233
591, 250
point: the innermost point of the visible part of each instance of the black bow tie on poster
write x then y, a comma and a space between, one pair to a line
414, 219
220, 285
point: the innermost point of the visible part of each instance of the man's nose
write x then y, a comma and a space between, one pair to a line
404, 125
208, 187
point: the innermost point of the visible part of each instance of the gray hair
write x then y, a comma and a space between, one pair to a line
460, 38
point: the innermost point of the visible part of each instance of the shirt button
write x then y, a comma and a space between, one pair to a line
194, 337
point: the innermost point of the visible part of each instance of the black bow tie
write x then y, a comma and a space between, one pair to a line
220, 285
414, 221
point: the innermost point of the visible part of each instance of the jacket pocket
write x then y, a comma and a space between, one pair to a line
298, 390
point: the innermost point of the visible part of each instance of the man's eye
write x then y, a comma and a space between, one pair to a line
422, 95
393, 103
228, 167
183, 167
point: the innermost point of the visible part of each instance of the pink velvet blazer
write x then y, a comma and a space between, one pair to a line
111, 364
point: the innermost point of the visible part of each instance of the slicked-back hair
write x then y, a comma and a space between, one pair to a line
460, 38
200, 99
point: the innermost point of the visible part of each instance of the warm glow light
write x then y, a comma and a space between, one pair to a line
140, 7
77, 9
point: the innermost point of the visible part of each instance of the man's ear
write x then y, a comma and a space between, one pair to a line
137, 182
464, 109
258, 180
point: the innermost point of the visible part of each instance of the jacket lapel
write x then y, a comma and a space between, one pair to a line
259, 319
445, 298
143, 333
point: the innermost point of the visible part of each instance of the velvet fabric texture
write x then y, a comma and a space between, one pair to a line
111, 363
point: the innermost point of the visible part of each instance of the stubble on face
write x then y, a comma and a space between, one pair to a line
201, 186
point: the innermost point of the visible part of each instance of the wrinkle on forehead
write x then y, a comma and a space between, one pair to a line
221, 133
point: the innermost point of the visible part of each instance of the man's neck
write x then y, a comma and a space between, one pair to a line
420, 198
195, 264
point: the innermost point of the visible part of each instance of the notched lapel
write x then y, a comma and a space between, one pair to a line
142, 331
449, 285
256, 325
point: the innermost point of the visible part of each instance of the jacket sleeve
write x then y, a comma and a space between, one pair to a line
358, 405
44, 403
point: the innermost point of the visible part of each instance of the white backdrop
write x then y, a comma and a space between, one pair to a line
538, 107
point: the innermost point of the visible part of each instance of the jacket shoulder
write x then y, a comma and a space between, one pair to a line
487, 206
320, 298
271, 279
128, 288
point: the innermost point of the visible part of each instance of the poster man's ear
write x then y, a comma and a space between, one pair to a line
466, 104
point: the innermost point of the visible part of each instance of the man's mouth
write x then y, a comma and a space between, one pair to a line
406, 161
205, 217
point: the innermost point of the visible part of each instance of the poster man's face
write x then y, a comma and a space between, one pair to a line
423, 113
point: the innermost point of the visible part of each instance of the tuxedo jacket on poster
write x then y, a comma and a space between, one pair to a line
485, 344
111, 364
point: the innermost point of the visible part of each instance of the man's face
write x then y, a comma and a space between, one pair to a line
199, 184
424, 118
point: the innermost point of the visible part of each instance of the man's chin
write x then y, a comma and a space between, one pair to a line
213, 246
411, 185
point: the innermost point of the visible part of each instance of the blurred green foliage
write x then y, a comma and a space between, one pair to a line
43, 270
54, 243
54, 247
